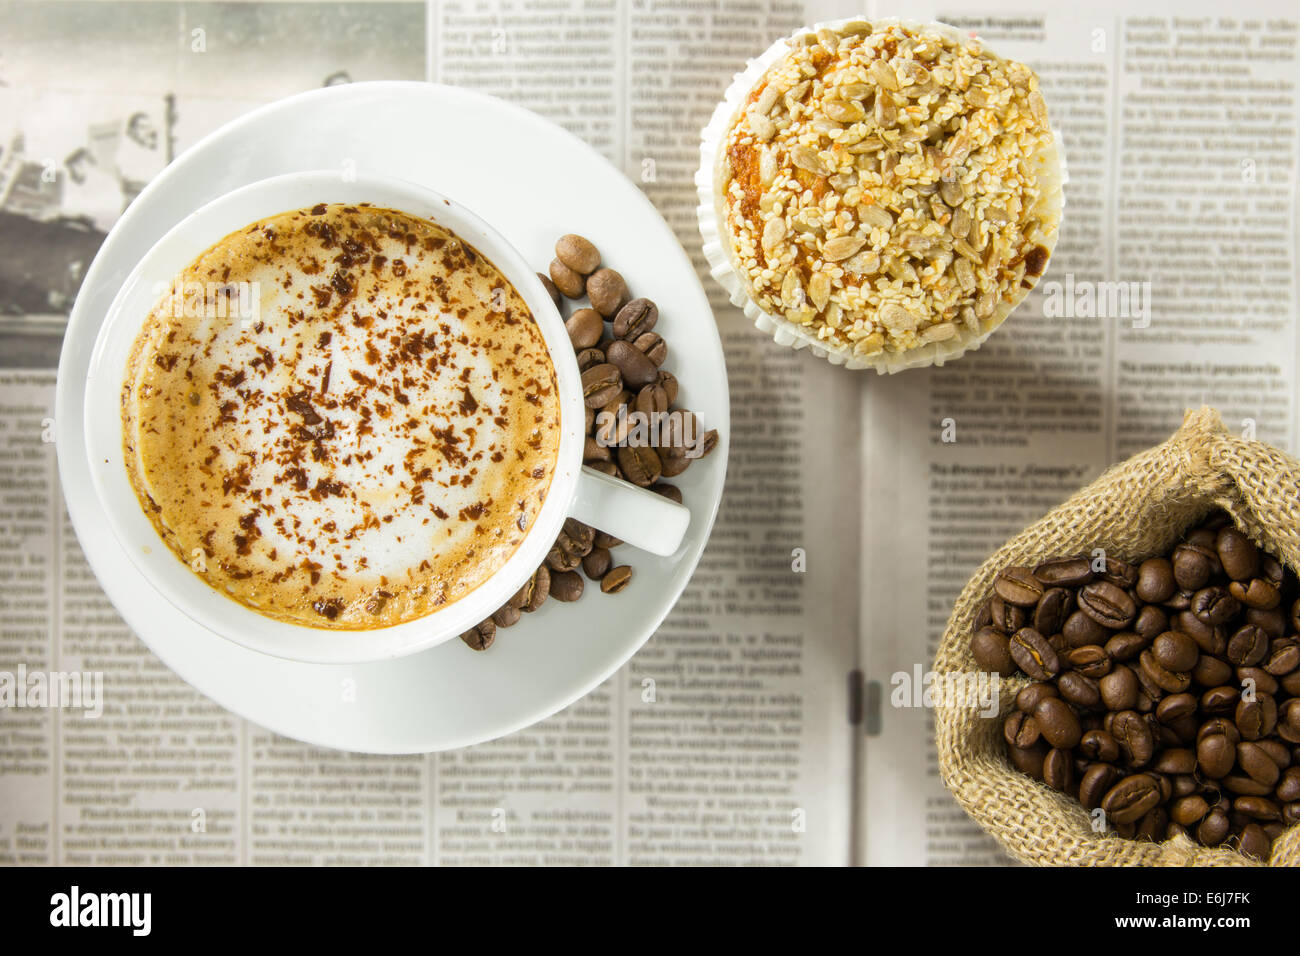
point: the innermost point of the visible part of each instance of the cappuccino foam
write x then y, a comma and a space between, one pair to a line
366, 445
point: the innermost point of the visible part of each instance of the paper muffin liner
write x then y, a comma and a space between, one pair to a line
725, 268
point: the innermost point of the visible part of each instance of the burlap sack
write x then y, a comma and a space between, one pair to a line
1138, 508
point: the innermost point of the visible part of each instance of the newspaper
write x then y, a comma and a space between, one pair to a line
1180, 129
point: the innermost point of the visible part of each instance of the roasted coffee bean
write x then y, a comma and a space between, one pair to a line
1018, 586
637, 316
1255, 593
1283, 657
1176, 761
1078, 690
1175, 650
550, 288
1099, 745
1120, 573
578, 253
1133, 734
1064, 573
596, 563
669, 383
1094, 783
571, 284
481, 635
1192, 566
1288, 721
1108, 604
1189, 810
600, 384
1058, 770
604, 540
534, 591
1185, 785
559, 560
566, 586
1220, 700
1119, 689
665, 490
1031, 694
1090, 661
1212, 830
1175, 707
992, 652
1057, 723
652, 400
1006, 617
634, 367
616, 579
1150, 622
1155, 583
1273, 621
1052, 610
1171, 682
593, 451
588, 358
1029, 760
1126, 645
1130, 799
1020, 729
1219, 725
1210, 638
1254, 842
1276, 750
1256, 718
1240, 785
506, 616
1211, 671
1080, 629
1237, 555
1288, 788
1261, 680
606, 290
673, 461
1214, 605
585, 328
1258, 765
1257, 807
613, 423
576, 537
652, 346
639, 464
1215, 756
1034, 655
1247, 646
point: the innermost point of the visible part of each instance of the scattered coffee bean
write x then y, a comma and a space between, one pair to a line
481, 636
639, 464
566, 586
585, 328
600, 384
637, 316
606, 290
616, 579
578, 254
596, 563
571, 284
551, 290
635, 367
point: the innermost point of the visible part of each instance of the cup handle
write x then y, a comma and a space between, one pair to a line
642, 518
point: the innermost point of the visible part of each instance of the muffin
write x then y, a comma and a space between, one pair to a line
885, 192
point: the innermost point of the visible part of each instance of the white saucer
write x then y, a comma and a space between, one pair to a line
533, 181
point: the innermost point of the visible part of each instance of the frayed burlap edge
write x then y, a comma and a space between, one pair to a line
1135, 509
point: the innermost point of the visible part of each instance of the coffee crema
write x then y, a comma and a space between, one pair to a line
368, 447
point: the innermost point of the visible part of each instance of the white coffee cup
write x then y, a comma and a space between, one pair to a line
641, 518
